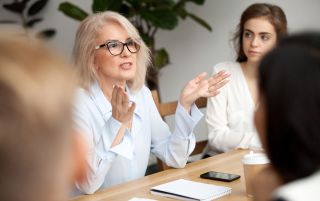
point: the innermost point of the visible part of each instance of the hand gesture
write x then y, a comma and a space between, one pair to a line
201, 87
122, 110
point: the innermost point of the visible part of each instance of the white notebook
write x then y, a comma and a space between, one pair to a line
190, 190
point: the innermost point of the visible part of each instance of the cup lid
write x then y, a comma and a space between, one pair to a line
255, 158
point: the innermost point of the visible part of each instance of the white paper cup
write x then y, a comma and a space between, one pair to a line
253, 163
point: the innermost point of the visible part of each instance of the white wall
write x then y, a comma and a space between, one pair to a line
192, 49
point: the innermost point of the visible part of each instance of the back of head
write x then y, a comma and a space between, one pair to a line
290, 85
36, 89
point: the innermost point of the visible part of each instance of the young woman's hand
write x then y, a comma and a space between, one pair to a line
202, 87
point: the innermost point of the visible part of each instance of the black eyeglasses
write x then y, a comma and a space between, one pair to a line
116, 47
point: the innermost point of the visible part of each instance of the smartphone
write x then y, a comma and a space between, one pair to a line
220, 176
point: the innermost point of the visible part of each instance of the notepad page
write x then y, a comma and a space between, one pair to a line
192, 189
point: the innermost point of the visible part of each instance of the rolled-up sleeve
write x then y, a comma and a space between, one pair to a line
174, 148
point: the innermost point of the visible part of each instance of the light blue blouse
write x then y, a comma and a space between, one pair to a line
129, 160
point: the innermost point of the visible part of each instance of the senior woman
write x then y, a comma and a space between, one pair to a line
116, 112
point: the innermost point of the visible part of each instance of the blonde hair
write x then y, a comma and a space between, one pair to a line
36, 90
84, 48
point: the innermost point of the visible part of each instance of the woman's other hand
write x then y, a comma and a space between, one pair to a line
122, 110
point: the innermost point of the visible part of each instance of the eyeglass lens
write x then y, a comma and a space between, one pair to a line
116, 47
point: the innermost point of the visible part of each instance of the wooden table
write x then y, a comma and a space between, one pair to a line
227, 162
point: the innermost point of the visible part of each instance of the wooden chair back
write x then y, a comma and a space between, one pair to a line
169, 108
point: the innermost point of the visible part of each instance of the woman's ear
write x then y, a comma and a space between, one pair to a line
95, 67
95, 64
79, 155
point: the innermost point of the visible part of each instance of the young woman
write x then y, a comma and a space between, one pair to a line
230, 114
116, 112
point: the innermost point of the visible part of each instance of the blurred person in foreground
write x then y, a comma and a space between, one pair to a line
287, 120
40, 157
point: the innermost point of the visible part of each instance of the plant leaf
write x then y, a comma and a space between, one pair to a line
36, 7
161, 58
126, 10
146, 39
45, 34
8, 22
162, 18
198, 2
16, 7
136, 3
200, 21
102, 5
31, 22
161, 4
72, 11
180, 11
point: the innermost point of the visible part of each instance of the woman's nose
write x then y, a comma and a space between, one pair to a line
254, 42
125, 51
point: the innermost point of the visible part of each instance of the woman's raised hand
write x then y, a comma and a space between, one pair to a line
202, 87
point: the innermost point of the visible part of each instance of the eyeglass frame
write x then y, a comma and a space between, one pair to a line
123, 44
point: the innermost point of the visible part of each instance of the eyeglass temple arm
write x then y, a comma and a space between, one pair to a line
99, 46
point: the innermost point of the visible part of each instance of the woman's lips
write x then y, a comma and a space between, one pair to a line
254, 53
126, 66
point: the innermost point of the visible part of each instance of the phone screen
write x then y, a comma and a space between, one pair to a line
220, 176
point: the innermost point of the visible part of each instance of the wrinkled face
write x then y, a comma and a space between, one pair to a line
259, 37
260, 122
114, 68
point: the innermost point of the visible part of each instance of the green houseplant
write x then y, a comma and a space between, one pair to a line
28, 13
148, 16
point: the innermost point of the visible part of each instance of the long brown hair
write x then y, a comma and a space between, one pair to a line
274, 14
